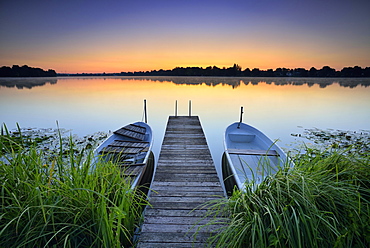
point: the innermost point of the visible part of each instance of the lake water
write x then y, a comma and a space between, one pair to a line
276, 106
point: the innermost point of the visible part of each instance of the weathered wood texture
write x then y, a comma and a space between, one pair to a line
185, 179
132, 131
253, 152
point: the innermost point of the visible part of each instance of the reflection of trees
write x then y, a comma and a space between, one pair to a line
209, 81
235, 82
28, 83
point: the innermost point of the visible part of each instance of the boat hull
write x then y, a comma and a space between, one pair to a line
130, 147
249, 157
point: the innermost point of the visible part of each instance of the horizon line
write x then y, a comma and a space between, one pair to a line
213, 66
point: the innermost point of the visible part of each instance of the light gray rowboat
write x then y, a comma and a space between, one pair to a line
249, 156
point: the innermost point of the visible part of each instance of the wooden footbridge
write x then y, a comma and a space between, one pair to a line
185, 179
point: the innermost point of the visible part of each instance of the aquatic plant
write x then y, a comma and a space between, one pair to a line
351, 141
324, 201
48, 140
63, 203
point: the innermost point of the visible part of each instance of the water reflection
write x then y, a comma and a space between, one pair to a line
274, 105
28, 83
236, 82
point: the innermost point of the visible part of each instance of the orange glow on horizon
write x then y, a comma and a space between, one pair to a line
166, 55
150, 58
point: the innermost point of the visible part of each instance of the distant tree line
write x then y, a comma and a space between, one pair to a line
25, 71
236, 71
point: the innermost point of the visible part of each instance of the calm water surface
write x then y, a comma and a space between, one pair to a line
277, 106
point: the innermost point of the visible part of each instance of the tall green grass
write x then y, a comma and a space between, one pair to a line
61, 202
324, 201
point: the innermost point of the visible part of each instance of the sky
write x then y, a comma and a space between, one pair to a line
75, 36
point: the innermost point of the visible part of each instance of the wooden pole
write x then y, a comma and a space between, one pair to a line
176, 108
189, 107
145, 114
241, 116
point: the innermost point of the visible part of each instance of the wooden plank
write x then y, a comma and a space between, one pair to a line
175, 228
189, 193
130, 134
135, 128
175, 213
172, 177
130, 165
123, 150
132, 131
179, 206
171, 239
184, 190
194, 163
184, 183
132, 171
185, 170
253, 152
179, 220
126, 143
190, 198
155, 212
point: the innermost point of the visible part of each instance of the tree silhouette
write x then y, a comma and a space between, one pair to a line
326, 71
233, 71
25, 71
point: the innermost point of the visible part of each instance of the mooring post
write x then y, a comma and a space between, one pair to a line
176, 108
145, 114
241, 116
189, 107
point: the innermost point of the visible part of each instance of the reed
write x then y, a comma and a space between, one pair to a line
324, 201
60, 201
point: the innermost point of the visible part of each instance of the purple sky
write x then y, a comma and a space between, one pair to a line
114, 36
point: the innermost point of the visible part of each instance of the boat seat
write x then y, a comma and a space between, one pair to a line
126, 143
123, 150
253, 152
132, 131
241, 137
130, 165
132, 171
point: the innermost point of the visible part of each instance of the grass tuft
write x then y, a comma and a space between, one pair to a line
63, 203
324, 201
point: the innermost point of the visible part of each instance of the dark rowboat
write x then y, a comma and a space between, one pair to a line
131, 148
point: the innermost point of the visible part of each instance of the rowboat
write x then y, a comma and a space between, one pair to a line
131, 148
249, 157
